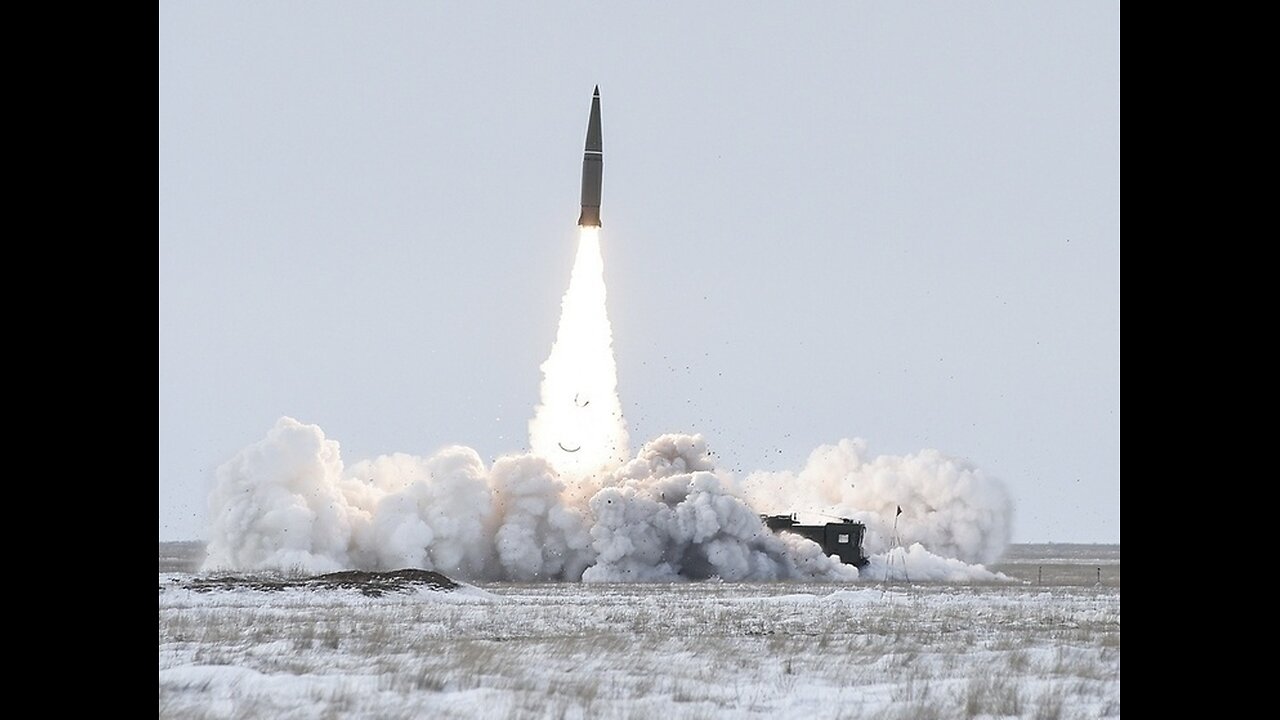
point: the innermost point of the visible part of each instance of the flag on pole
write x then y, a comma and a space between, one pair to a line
895, 517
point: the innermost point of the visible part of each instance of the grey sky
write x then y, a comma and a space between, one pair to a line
895, 221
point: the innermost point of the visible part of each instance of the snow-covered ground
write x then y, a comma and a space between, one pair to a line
655, 650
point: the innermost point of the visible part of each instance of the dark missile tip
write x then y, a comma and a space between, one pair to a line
597, 91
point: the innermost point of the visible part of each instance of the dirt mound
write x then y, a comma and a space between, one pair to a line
373, 584
394, 580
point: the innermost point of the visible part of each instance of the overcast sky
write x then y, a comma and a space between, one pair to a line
896, 221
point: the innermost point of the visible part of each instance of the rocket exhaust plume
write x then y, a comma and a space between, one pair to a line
579, 425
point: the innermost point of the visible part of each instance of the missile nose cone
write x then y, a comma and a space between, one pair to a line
597, 91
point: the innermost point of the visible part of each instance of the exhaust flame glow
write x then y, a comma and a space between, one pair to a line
578, 424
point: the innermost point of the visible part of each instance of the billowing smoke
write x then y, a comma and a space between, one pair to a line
581, 508
426, 513
666, 515
284, 502
948, 505
916, 563
579, 423
288, 502
540, 535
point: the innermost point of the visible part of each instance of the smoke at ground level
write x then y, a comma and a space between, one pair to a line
290, 502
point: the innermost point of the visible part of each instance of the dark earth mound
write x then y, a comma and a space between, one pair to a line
373, 584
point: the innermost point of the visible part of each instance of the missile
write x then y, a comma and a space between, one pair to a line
592, 168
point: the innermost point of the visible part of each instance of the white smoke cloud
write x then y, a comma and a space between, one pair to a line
667, 516
280, 504
948, 505
916, 563
287, 502
429, 513
540, 535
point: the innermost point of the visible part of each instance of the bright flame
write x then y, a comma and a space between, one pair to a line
579, 424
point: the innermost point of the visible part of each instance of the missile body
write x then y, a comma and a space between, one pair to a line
592, 168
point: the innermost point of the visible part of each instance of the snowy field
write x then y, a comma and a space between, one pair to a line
695, 650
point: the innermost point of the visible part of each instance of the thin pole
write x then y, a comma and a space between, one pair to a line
893, 551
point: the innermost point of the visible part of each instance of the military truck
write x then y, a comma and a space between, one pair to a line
843, 538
